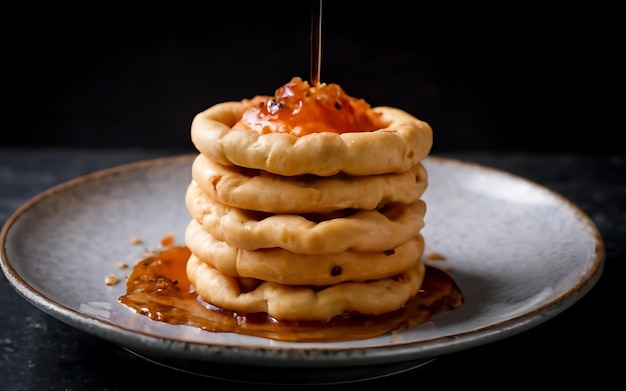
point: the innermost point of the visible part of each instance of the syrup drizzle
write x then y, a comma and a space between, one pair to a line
316, 41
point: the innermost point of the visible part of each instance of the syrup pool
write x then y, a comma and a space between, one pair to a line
159, 289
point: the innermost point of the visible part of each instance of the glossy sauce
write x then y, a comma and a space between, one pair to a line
300, 109
316, 41
159, 289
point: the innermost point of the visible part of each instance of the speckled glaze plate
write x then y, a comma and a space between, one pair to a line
520, 254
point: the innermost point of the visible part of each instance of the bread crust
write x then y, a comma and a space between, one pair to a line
395, 148
262, 191
289, 302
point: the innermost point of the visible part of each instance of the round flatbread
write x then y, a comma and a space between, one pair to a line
366, 230
262, 191
286, 267
288, 302
396, 148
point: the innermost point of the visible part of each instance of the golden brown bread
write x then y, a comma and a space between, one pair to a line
347, 230
394, 149
262, 191
286, 267
289, 302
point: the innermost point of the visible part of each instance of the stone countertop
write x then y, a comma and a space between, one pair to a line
40, 352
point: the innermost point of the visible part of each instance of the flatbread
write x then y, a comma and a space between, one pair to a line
396, 148
262, 191
286, 267
288, 302
366, 231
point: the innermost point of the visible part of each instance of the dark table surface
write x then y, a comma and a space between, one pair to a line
582, 345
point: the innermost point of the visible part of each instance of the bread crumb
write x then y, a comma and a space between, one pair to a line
122, 265
136, 240
434, 256
167, 240
111, 279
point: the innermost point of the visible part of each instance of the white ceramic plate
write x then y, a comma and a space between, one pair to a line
520, 254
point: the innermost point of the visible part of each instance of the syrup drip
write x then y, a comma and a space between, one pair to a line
159, 289
316, 41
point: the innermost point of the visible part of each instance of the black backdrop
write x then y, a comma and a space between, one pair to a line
520, 77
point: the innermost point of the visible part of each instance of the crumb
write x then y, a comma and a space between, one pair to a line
136, 240
148, 253
433, 256
111, 279
122, 265
167, 240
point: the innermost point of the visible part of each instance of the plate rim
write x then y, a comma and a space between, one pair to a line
143, 342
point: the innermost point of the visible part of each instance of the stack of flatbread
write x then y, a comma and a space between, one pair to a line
306, 227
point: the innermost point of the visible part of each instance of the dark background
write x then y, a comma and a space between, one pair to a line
520, 77
511, 77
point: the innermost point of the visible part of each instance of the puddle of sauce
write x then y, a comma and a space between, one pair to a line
159, 289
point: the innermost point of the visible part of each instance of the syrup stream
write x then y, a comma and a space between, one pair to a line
316, 41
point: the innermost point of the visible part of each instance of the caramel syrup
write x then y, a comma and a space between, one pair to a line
159, 289
316, 41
